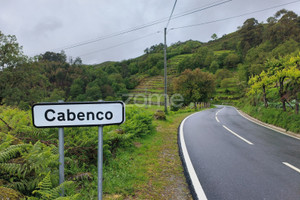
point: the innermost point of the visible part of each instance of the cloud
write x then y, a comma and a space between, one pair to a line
51, 25
46, 26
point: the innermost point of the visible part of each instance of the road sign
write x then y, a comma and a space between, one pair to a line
78, 114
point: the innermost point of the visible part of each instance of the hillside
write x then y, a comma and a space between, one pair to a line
232, 58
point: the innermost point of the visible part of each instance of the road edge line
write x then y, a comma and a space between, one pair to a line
291, 166
265, 125
189, 171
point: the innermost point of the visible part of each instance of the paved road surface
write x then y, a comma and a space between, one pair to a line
234, 158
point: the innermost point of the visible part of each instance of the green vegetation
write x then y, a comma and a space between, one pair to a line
29, 156
257, 68
138, 161
152, 167
287, 120
233, 58
194, 86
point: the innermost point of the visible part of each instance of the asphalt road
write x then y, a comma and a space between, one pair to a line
234, 158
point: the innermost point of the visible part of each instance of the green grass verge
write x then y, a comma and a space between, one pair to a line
150, 169
287, 120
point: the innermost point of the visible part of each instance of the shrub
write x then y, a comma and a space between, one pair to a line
160, 115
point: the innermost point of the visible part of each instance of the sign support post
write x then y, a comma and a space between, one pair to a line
100, 161
61, 156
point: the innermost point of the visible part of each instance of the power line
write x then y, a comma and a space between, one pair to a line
249, 13
201, 9
111, 47
171, 14
217, 3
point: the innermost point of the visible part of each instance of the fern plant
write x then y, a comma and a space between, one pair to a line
12, 168
45, 190
12, 151
23, 166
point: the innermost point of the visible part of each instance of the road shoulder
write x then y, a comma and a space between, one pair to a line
189, 171
270, 126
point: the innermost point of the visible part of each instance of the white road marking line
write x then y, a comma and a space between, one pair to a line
217, 115
291, 166
219, 111
194, 178
247, 141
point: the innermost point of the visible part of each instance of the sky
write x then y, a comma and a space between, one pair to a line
100, 30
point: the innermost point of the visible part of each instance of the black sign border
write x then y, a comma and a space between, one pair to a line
74, 103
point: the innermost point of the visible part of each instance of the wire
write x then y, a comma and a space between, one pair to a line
201, 9
249, 13
171, 14
140, 27
118, 44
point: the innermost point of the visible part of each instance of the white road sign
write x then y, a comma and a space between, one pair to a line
78, 114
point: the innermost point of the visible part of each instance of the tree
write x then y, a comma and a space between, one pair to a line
294, 83
214, 66
286, 27
10, 52
186, 63
203, 58
54, 57
24, 85
251, 32
195, 86
277, 69
283, 73
261, 82
214, 36
232, 60
77, 61
77, 88
93, 92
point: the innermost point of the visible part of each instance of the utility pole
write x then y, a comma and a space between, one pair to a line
165, 68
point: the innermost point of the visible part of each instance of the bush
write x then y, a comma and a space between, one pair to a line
160, 115
8, 193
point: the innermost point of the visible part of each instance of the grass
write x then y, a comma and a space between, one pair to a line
217, 53
149, 169
147, 91
287, 120
151, 85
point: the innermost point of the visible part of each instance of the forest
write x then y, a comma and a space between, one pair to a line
256, 68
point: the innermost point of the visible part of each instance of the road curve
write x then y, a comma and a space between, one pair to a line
229, 157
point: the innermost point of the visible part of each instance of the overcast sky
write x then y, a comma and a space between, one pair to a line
53, 25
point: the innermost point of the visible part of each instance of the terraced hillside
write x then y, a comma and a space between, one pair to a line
151, 89
228, 91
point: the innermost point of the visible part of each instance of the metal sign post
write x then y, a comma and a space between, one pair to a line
61, 158
62, 114
61, 143
100, 161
